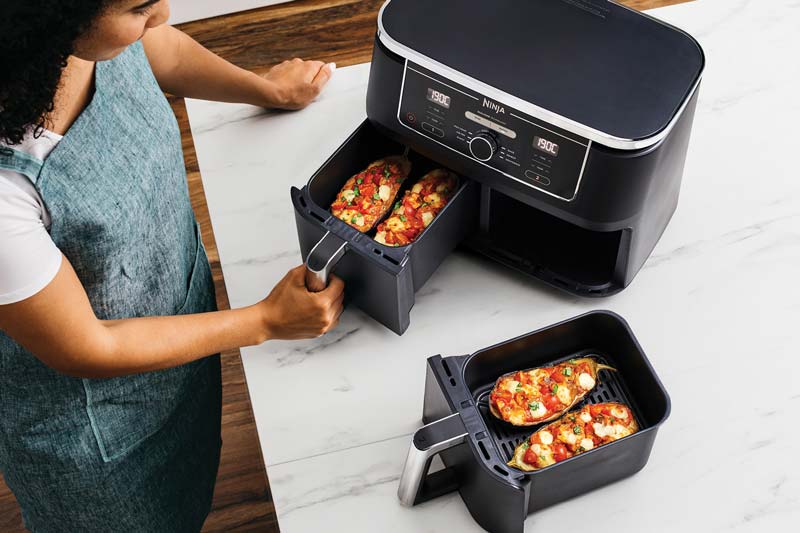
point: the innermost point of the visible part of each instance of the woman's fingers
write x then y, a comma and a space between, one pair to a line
335, 287
323, 76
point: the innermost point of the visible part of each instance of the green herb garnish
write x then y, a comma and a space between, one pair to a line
354, 220
534, 406
555, 388
573, 361
519, 385
387, 172
567, 371
397, 205
403, 218
356, 190
581, 449
576, 430
376, 196
360, 181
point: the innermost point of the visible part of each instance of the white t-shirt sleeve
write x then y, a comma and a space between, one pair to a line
29, 259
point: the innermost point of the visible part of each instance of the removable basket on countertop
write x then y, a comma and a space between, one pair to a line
475, 446
567, 121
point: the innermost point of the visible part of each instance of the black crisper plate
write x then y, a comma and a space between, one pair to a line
610, 388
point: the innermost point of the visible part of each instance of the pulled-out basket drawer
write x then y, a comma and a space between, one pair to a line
381, 280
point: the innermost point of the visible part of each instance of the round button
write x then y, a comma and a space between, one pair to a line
411, 117
483, 146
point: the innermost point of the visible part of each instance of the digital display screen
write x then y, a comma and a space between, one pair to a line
548, 147
439, 98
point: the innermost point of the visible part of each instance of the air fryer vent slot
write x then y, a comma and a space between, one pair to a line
610, 388
501, 470
483, 450
446, 368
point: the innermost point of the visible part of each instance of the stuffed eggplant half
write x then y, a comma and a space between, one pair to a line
537, 395
367, 197
573, 434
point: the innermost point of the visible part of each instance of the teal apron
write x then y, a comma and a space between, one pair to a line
136, 453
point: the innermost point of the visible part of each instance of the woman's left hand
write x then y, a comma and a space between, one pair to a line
296, 83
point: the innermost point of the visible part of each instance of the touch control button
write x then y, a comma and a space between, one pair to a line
536, 177
432, 129
483, 146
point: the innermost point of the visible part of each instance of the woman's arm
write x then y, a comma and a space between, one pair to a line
185, 68
59, 326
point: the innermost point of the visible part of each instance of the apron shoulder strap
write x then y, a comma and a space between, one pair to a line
18, 161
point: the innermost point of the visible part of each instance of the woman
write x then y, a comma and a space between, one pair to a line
109, 401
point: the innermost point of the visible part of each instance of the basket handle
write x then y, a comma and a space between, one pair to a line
321, 261
416, 485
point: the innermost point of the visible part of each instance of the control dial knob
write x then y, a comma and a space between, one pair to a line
483, 146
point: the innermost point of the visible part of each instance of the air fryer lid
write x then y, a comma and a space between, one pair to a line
593, 62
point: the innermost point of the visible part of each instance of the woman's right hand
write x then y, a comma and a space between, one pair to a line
292, 312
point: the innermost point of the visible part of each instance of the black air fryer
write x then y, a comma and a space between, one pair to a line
475, 446
568, 122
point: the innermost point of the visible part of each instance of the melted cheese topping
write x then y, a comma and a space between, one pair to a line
352, 216
587, 444
586, 417
586, 381
564, 395
511, 385
385, 192
546, 437
619, 431
540, 411
348, 195
433, 198
395, 224
517, 416
620, 413
417, 188
427, 218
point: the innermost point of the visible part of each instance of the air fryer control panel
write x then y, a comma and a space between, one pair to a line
504, 139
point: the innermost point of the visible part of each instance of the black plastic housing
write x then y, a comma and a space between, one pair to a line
592, 246
381, 280
500, 497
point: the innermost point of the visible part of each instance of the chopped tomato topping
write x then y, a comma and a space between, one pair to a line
530, 457
559, 452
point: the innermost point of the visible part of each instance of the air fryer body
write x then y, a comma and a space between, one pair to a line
592, 244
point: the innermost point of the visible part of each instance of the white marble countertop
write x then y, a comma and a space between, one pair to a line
713, 308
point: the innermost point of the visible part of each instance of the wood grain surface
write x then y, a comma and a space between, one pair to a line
327, 30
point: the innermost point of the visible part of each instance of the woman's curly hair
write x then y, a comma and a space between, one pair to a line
36, 38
